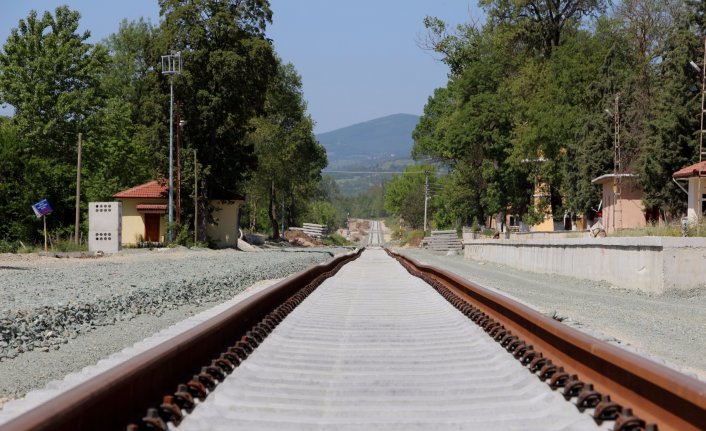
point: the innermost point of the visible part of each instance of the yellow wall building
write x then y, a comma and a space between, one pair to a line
223, 231
144, 216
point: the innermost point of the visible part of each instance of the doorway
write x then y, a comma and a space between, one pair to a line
152, 227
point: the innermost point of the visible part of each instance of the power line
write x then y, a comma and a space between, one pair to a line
372, 172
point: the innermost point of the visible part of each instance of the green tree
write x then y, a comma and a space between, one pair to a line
405, 193
290, 159
50, 75
17, 218
126, 145
468, 127
673, 137
322, 212
590, 152
558, 99
228, 65
540, 23
696, 12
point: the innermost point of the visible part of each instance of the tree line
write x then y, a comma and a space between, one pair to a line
245, 127
526, 103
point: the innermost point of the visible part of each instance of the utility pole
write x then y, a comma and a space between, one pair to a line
282, 231
426, 197
698, 197
702, 151
171, 65
178, 163
196, 199
617, 166
78, 191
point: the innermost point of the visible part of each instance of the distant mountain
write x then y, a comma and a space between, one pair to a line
381, 145
385, 138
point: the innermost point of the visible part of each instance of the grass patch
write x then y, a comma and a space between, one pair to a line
335, 240
412, 238
672, 229
68, 246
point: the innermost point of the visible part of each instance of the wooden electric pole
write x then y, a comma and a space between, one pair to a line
78, 191
196, 199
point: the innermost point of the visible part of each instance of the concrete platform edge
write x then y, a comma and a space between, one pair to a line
649, 264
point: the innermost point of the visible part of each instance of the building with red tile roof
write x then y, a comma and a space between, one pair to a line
696, 176
144, 216
152, 190
695, 170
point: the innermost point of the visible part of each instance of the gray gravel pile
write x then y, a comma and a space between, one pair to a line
44, 303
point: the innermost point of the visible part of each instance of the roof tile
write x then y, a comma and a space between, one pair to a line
153, 189
695, 170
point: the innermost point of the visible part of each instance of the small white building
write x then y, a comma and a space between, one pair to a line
696, 176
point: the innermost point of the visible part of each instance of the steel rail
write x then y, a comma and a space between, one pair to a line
119, 396
652, 392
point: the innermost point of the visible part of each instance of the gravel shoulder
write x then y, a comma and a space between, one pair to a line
668, 328
60, 315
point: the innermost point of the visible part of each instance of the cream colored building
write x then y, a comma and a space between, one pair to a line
144, 216
224, 230
622, 210
696, 176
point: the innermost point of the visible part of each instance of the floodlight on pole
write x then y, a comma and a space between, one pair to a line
695, 66
171, 65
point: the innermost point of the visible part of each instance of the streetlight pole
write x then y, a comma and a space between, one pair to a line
180, 125
699, 198
171, 65
426, 197
702, 71
78, 193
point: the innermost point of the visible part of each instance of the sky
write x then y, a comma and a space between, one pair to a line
359, 60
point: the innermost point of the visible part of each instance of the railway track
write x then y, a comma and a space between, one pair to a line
379, 345
376, 236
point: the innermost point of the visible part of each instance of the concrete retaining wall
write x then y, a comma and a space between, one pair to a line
650, 264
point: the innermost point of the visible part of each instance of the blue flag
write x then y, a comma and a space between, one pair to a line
42, 208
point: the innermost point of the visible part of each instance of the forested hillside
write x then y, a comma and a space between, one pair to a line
369, 150
531, 100
385, 138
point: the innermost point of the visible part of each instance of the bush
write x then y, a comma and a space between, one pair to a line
182, 234
412, 238
673, 229
8, 246
335, 240
322, 212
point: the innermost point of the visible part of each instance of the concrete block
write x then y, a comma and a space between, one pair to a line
104, 216
107, 241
